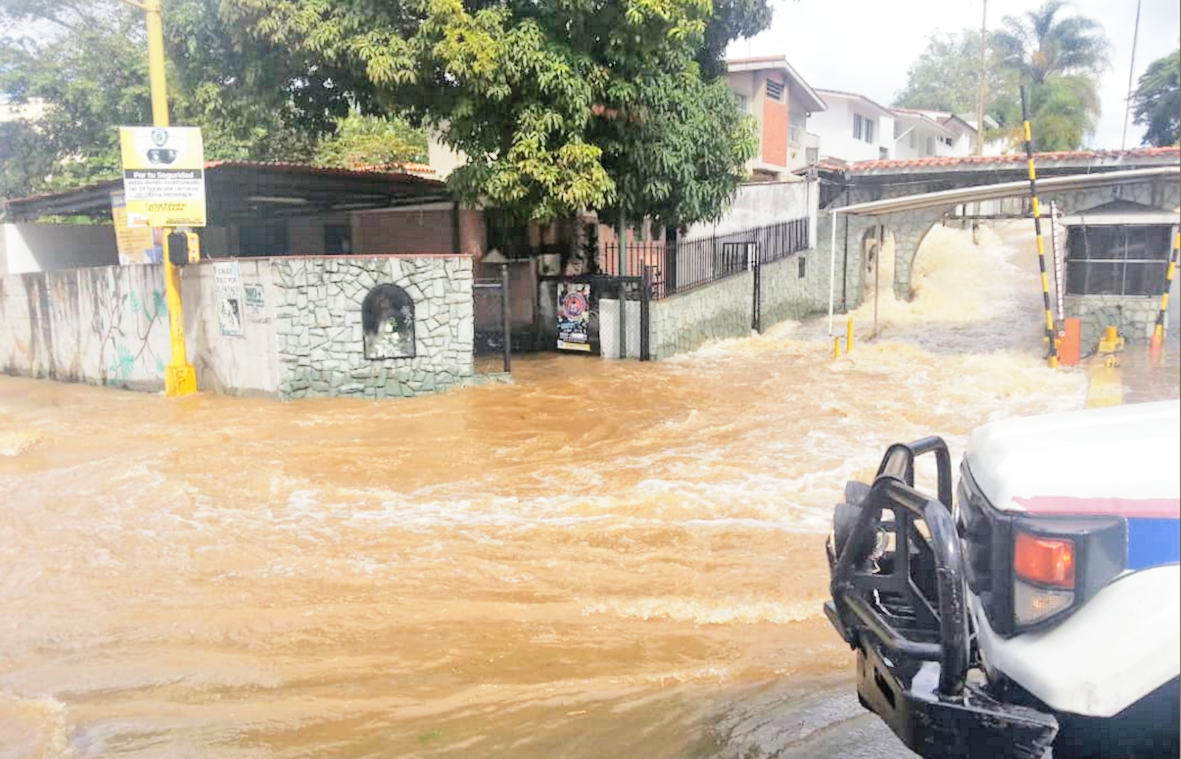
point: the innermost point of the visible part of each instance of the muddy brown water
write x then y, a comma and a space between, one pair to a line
602, 559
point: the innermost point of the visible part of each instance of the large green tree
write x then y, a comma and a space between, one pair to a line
362, 141
1059, 55
560, 106
88, 64
1157, 101
945, 77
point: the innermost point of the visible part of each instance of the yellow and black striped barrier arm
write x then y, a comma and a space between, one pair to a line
1037, 226
1158, 332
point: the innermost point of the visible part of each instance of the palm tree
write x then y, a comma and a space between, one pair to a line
1042, 43
1060, 57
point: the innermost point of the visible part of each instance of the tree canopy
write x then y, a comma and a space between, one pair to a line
88, 64
1058, 55
945, 75
560, 107
362, 140
1156, 103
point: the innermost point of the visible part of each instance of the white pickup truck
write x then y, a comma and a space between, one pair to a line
1041, 610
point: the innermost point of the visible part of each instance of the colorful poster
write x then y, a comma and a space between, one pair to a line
227, 282
163, 176
573, 316
136, 245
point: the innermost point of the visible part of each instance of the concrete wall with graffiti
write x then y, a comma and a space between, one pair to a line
104, 325
109, 326
285, 328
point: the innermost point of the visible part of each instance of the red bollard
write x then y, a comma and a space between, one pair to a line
1072, 337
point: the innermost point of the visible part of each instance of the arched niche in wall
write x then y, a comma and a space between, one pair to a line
387, 321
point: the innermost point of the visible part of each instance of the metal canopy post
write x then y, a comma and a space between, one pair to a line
877, 275
832, 269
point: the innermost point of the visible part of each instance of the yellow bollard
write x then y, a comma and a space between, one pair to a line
849, 335
836, 347
1110, 342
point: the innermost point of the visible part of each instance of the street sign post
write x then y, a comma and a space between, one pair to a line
163, 176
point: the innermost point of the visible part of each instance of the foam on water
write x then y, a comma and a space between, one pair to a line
322, 578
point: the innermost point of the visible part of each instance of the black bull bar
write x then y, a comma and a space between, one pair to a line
903, 608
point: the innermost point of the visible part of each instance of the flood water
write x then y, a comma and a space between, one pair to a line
604, 559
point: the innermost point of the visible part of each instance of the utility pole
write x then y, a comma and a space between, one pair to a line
1123, 143
980, 81
179, 376
979, 113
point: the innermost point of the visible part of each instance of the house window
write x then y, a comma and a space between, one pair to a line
795, 126
1117, 259
869, 130
930, 146
858, 126
775, 90
743, 103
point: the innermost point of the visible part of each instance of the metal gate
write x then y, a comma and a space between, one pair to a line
601, 287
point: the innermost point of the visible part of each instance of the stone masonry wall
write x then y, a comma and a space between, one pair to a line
319, 335
787, 295
1133, 315
686, 321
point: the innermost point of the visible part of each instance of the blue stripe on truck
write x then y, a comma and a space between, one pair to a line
1152, 542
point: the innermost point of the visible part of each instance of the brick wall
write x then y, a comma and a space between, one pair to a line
775, 130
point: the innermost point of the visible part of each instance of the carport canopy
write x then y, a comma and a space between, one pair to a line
242, 191
976, 193
1003, 190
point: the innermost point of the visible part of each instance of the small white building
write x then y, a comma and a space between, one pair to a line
853, 128
782, 103
928, 134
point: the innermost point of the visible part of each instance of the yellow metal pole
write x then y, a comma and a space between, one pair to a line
179, 377
1037, 226
836, 347
849, 335
1158, 332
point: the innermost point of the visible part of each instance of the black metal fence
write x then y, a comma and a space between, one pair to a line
675, 268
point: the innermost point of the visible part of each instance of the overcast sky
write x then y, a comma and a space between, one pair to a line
866, 46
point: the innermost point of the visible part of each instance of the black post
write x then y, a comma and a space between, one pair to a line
670, 261
506, 331
645, 314
756, 321
456, 241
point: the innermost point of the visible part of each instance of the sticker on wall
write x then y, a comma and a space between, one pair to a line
573, 316
136, 245
227, 281
256, 303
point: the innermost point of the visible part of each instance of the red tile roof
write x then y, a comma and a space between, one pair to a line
1015, 158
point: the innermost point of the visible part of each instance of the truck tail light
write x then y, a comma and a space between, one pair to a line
1043, 582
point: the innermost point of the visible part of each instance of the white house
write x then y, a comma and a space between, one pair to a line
925, 134
853, 128
782, 104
